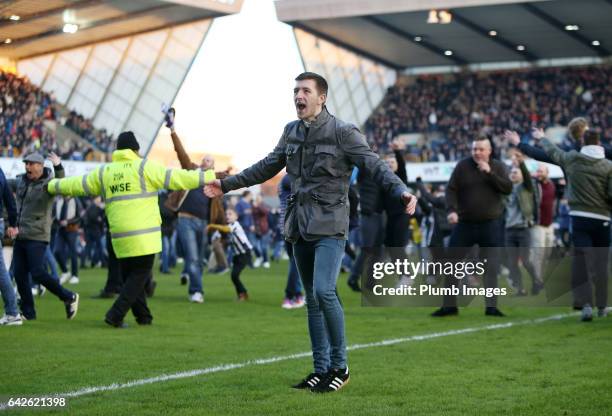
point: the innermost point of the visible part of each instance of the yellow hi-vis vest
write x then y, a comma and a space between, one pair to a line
129, 187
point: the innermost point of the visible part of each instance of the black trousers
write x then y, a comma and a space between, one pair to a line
489, 236
113, 276
591, 238
135, 272
28, 258
372, 236
239, 262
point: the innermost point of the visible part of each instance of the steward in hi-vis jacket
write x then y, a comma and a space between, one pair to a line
129, 187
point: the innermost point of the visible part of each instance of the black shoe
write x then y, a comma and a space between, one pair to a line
334, 381
72, 306
184, 279
310, 381
537, 288
145, 322
445, 311
120, 325
150, 288
493, 311
354, 285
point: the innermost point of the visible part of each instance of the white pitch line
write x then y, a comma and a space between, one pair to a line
261, 361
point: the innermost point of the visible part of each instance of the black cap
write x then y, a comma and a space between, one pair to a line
127, 140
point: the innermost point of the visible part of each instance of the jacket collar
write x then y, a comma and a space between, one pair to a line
124, 155
319, 120
594, 151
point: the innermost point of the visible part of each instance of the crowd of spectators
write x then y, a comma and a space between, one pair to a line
84, 128
24, 108
450, 109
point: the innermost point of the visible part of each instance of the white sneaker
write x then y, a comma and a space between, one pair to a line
73, 280
9, 320
298, 302
34, 291
257, 262
197, 297
266, 265
64, 278
587, 313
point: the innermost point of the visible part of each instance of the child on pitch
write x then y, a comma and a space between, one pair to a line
241, 248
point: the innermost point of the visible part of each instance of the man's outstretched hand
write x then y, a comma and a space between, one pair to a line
410, 202
213, 189
55, 159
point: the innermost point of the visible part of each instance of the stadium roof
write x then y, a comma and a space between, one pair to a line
397, 32
32, 27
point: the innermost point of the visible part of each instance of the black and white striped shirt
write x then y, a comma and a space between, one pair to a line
238, 239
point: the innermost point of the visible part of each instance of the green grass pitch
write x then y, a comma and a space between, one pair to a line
554, 367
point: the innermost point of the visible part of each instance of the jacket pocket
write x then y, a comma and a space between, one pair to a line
325, 160
290, 227
293, 153
328, 215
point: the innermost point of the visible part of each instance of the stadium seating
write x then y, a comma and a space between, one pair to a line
449, 109
30, 119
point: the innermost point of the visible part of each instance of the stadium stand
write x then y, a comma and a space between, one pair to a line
29, 121
450, 109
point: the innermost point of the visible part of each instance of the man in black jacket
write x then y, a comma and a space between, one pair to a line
475, 200
319, 151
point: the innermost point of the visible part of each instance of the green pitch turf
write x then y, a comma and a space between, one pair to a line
554, 367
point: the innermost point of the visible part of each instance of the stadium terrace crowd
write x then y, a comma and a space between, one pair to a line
24, 108
449, 108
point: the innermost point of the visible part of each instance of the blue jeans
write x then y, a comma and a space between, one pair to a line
294, 286
50, 261
66, 247
191, 233
8, 294
27, 255
262, 243
168, 254
318, 263
94, 249
253, 239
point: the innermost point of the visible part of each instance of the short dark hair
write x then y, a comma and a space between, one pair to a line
591, 137
318, 79
481, 137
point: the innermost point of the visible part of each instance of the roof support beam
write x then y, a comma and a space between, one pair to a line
50, 12
95, 24
497, 38
347, 46
410, 37
552, 21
